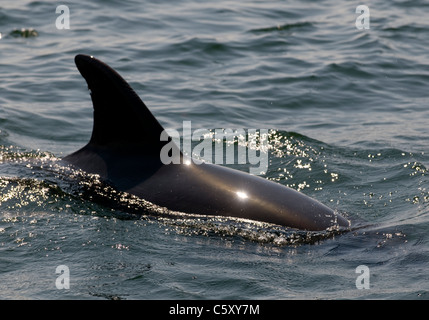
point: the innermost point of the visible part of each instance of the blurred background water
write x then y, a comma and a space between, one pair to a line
349, 114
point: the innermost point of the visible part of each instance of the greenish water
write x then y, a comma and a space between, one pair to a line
349, 114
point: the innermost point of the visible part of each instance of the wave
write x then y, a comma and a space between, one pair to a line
34, 181
305, 26
349, 179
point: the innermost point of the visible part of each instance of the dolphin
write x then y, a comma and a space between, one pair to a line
124, 150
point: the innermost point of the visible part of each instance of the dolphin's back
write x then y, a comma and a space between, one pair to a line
214, 190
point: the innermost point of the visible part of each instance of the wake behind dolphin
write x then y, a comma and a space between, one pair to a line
124, 150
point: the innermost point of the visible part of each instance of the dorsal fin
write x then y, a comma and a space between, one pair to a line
121, 119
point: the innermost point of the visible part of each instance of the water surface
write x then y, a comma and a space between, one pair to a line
349, 114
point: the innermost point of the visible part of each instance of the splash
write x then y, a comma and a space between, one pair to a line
39, 182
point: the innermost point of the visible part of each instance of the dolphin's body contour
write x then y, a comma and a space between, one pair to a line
124, 150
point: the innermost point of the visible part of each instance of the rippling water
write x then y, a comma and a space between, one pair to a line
349, 115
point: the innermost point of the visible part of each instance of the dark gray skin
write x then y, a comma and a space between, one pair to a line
125, 151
